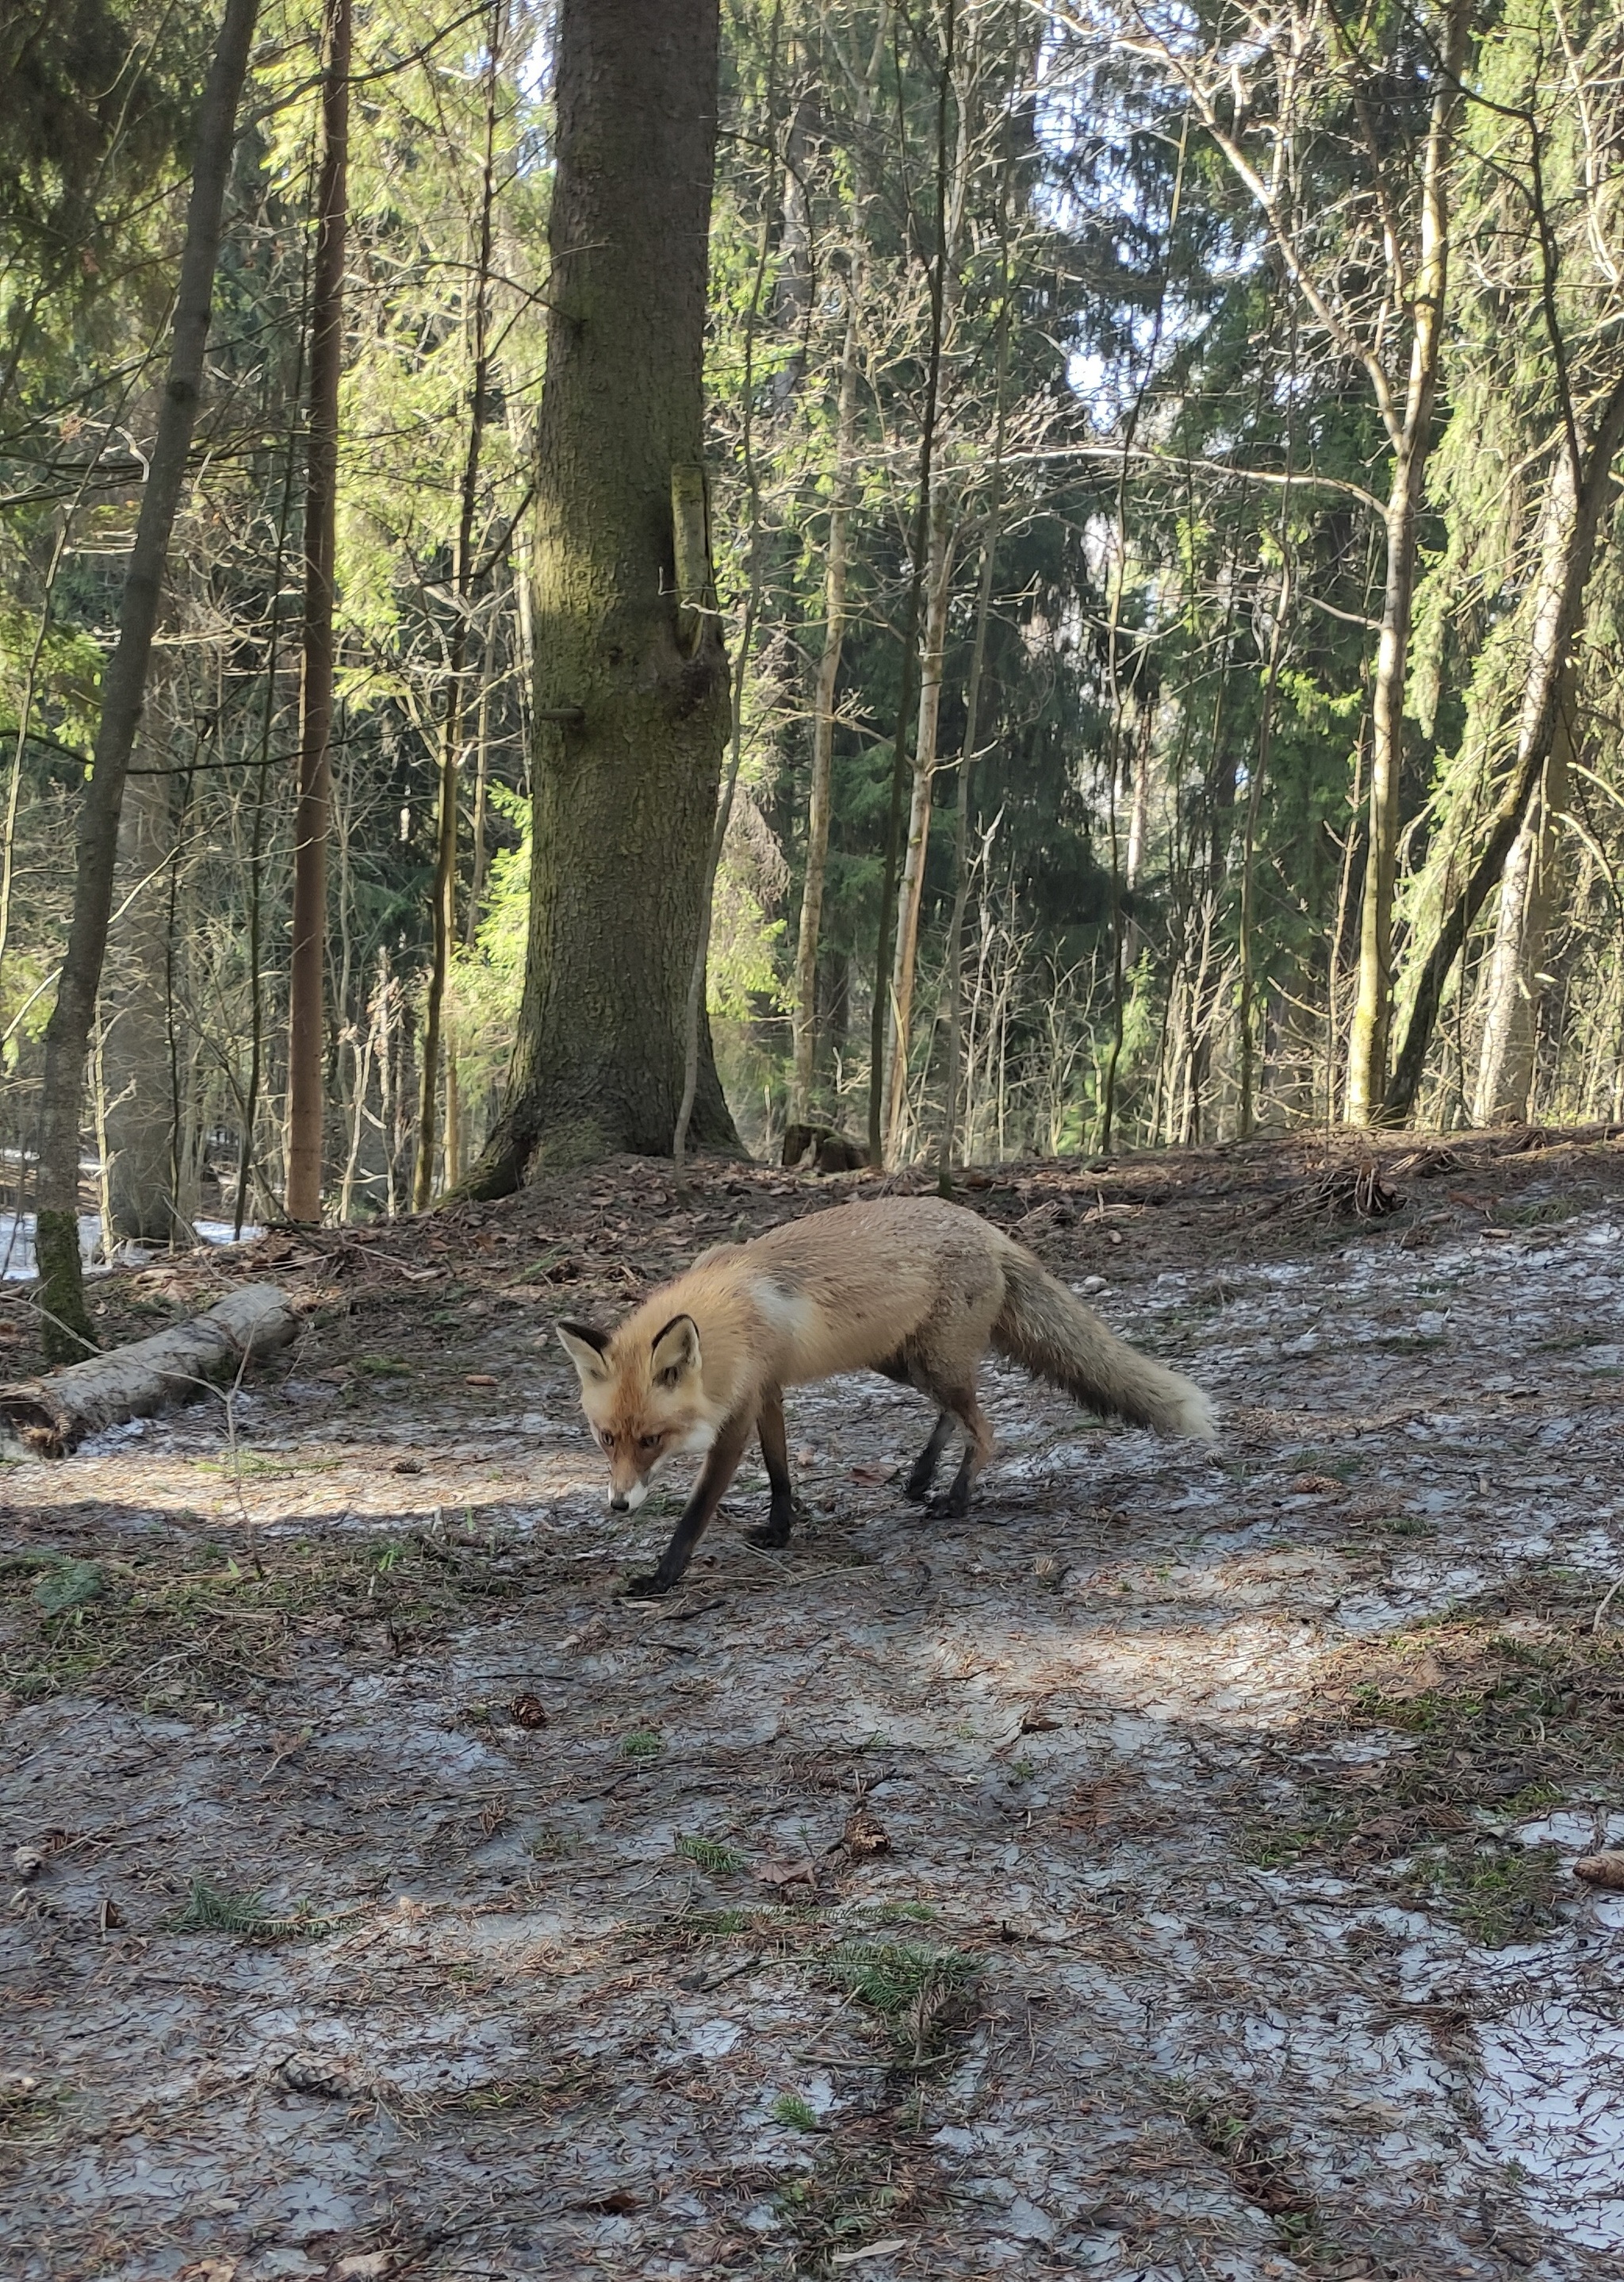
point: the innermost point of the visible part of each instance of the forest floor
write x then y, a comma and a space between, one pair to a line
1167, 1871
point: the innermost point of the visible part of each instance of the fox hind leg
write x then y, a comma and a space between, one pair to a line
785, 1509
922, 1477
960, 1402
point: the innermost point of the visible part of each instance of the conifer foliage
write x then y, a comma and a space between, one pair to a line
991, 579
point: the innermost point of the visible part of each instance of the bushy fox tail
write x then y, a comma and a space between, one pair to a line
1048, 1331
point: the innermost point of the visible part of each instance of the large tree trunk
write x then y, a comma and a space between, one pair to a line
66, 1325
1372, 1015
804, 1017
1547, 693
312, 810
633, 683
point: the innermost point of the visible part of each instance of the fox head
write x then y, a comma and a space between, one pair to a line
644, 1399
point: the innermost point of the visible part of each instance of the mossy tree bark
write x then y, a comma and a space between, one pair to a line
1542, 726
631, 687
1530, 884
67, 1324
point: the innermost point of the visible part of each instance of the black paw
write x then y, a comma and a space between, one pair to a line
652, 1588
952, 1505
775, 1531
918, 1488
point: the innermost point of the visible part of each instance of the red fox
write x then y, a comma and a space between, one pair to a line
915, 1288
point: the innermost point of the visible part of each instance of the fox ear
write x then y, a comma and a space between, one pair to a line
676, 1352
584, 1344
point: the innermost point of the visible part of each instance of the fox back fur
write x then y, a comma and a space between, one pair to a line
917, 1288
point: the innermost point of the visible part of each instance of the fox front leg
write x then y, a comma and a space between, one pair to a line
718, 1470
785, 1509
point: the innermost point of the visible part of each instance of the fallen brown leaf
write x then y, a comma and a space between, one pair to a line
1417, 1679
803, 1872
479, 1378
528, 1710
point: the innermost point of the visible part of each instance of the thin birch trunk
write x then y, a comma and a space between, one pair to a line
911, 614
967, 755
1258, 774
361, 1051
938, 582
312, 810
67, 1324
1138, 836
444, 893
804, 1018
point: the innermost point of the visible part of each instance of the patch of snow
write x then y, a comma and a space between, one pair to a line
1551, 2100
17, 1261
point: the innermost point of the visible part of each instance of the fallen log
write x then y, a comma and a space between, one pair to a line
52, 1415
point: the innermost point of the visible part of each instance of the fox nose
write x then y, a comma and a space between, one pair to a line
620, 1502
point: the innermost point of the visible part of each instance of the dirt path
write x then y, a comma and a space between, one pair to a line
1167, 1873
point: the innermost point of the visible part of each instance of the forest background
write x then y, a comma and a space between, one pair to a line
1160, 471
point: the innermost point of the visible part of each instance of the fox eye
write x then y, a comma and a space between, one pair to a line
650, 1441
606, 1439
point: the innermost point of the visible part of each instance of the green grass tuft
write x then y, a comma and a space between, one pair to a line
715, 1925
31, 2113
1495, 1894
210, 1909
709, 1854
888, 1976
70, 1585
